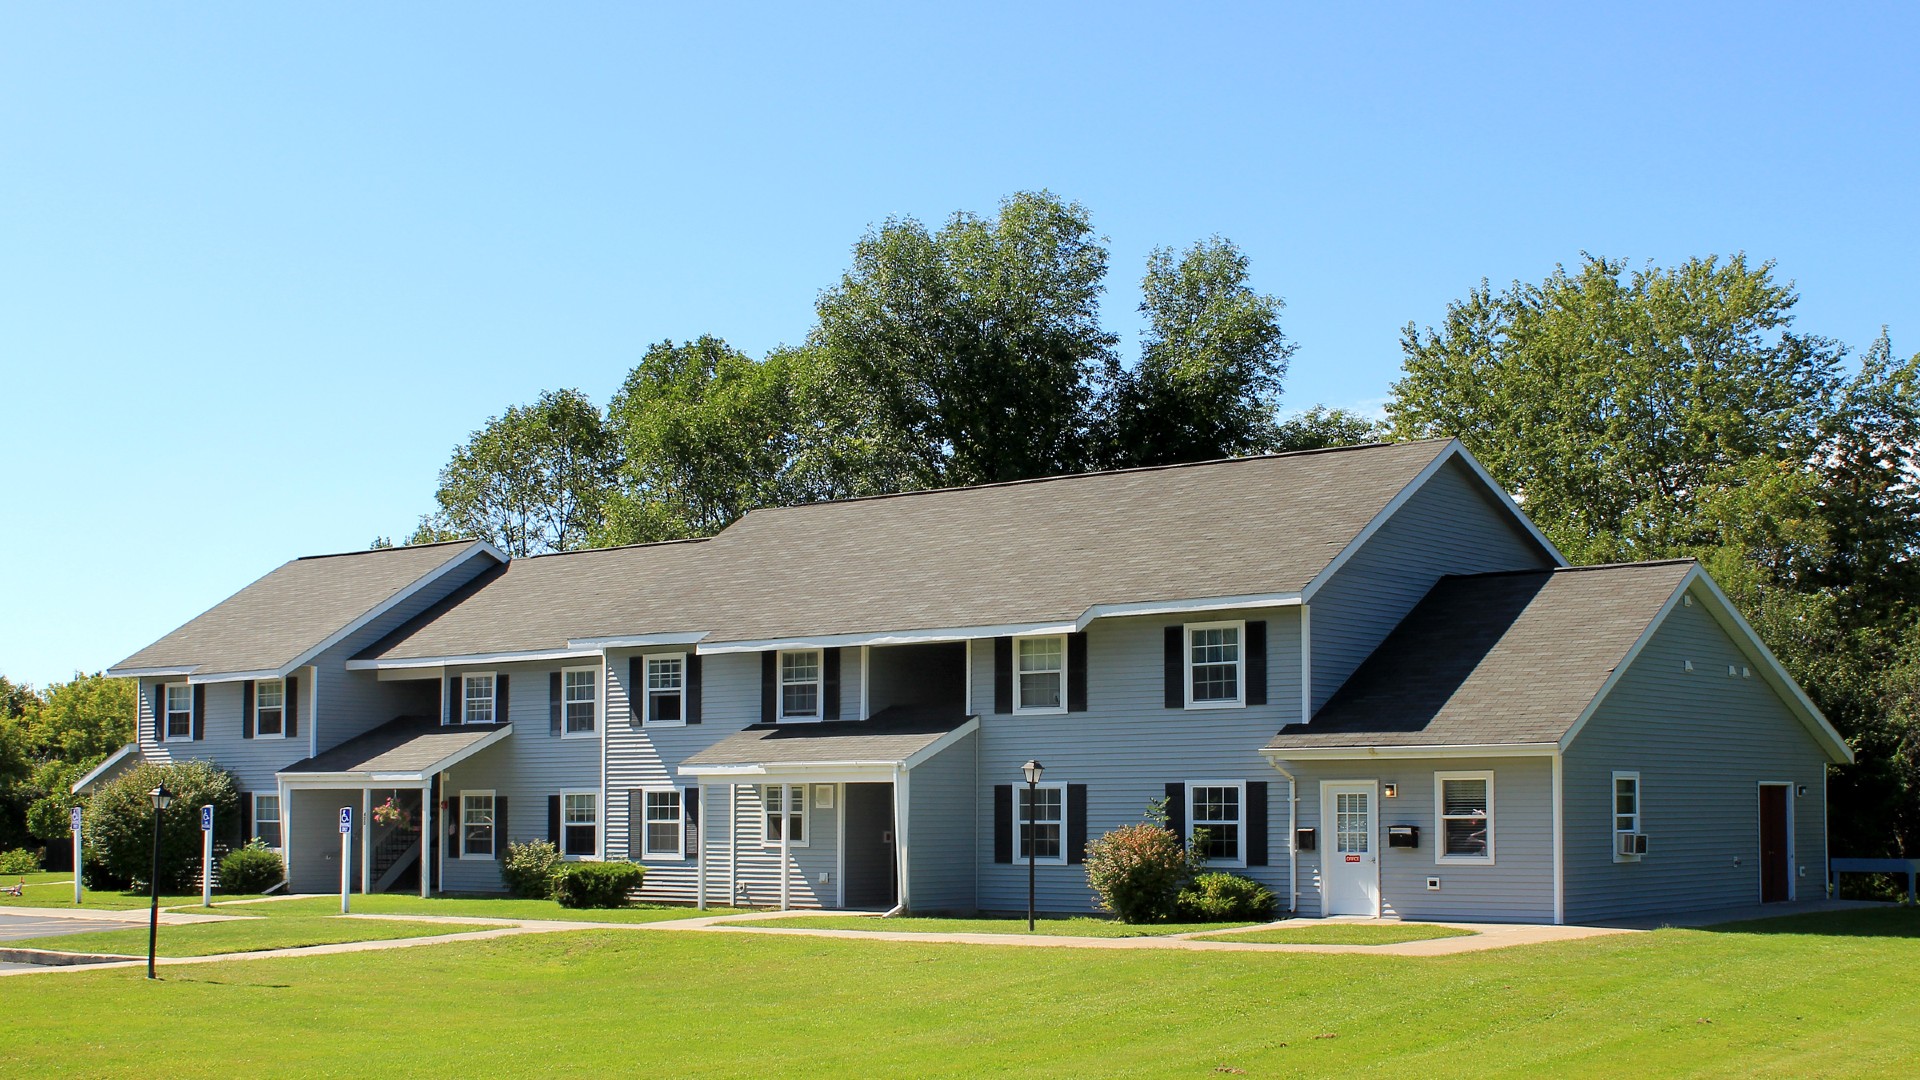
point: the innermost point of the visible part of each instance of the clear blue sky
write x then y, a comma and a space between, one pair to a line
263, 265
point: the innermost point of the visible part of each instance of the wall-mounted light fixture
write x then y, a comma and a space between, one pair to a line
1801, 791
1391, 791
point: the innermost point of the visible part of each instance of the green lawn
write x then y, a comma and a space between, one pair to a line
38, 878
1072, 927
1344, 934
472, 907
1813, 997
109, 900
208, 939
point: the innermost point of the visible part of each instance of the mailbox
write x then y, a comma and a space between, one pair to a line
1403, 836
1303, 840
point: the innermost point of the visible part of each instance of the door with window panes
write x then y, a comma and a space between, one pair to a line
1350, 859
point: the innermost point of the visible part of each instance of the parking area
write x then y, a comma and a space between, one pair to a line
20, 927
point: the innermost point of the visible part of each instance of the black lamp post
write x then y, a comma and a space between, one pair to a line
162, 798
1032, 769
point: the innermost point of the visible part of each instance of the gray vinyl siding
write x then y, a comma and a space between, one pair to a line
1128, 746
253, 762
1702, 742
527, 767
1452, 525
311, 820
942, 804
1516, 887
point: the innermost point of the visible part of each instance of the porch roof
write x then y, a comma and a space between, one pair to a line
409, 748
899, 736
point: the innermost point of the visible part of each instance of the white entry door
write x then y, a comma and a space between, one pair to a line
1351, 865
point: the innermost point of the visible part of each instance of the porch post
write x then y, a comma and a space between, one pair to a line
786, 838
366, 836
426, 836
286, 832
733, 844
700, 858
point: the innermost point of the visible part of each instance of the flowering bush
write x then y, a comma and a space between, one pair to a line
1137, 871
529, 869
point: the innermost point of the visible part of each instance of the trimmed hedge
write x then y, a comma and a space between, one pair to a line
251, 869
596, 884
1219, 897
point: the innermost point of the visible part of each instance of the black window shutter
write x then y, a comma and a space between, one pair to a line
500, 699
636, 823
1176, 667
690, 703
291, 699
199, 712
690, 815
500, 827
1076, 823
246, 709
1003, 675
454, 813
246, 818
1077, 672
553, 704
636, 693
1003, 823
1177, 809
456, 709
553, 820
1256, 823
830, 684
769, 685
1257, 662
160, 713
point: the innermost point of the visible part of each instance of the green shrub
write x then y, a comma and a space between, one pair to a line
529, 869
1137, 871
1220, 897
19, 861
596, 884
251, 869
119, 824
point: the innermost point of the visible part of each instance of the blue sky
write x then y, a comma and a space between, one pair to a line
263, 266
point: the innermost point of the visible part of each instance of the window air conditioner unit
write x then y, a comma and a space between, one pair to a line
1631, 843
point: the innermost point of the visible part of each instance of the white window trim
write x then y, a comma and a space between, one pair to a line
646, 690
1019, 855
679, 850
165, 724
493, 830
257, 732
1613, 814
279, 820
1440, 825
1040, 710
599, 829
1239, 700
819, 683
806, 817
593, 681
493, 696
1240, 845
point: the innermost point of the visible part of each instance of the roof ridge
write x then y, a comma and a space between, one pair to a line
1090, 474
379, 550
1548, 571
619, 547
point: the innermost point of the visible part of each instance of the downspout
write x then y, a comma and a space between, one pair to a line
1293, 837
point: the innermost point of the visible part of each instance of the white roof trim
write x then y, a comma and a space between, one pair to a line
410, 663
1350, 753
1453, 450
151, 672
360, 778
238, 676
97, 771
921, 755
475, 548
809, 768
1749, 643
635, 641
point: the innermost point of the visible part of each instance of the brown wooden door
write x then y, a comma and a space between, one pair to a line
1776, 877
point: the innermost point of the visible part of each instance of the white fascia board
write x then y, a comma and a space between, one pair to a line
471, 659
357, 779
637, 641
826, 772
943, 742
97, 771
1182, 607
1399, 753
152, 672
239, 676
478, 547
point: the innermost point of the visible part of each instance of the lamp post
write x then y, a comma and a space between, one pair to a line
162, 798
1032, 769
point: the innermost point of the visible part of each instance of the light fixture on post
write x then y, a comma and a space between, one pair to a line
1032, 770
162, 798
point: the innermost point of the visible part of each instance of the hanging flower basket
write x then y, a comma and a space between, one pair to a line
390, 813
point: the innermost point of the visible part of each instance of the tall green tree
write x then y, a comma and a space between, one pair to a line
1211, 365
1319, 428
705, 433
533, 479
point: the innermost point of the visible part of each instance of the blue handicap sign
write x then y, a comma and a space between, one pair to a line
73, 819
346, 819
206, 819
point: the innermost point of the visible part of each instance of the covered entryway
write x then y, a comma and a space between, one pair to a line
1352, 862
872, 857
1776, 843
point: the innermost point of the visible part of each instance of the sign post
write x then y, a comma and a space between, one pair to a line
73, 822
206, 856
346, 855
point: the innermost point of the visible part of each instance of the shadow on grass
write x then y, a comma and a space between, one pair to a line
1902, 921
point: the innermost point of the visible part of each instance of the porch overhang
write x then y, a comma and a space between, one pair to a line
409, 750
833, 752
1402, 753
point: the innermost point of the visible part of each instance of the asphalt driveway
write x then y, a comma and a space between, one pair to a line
20, 927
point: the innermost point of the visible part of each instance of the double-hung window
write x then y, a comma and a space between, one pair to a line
663, 835
579, 823
786, 814
1463, 805
179, 711
666, 690
476, 824
266, 819
1039, 684
1626, 815
579, 690
800, 685
1220, 810
1042, 814
476, 699
270, 708
1216, 667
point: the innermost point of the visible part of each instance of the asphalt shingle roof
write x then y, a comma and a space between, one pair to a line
1494, 659
295, 607
889, 736
411, 744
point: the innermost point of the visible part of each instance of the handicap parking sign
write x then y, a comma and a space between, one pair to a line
206, 819
73, 819
346, 819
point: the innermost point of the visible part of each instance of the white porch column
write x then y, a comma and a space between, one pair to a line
901, 783
286, 832
366, 837
733, 844
786, 839
426, 835
700, 859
